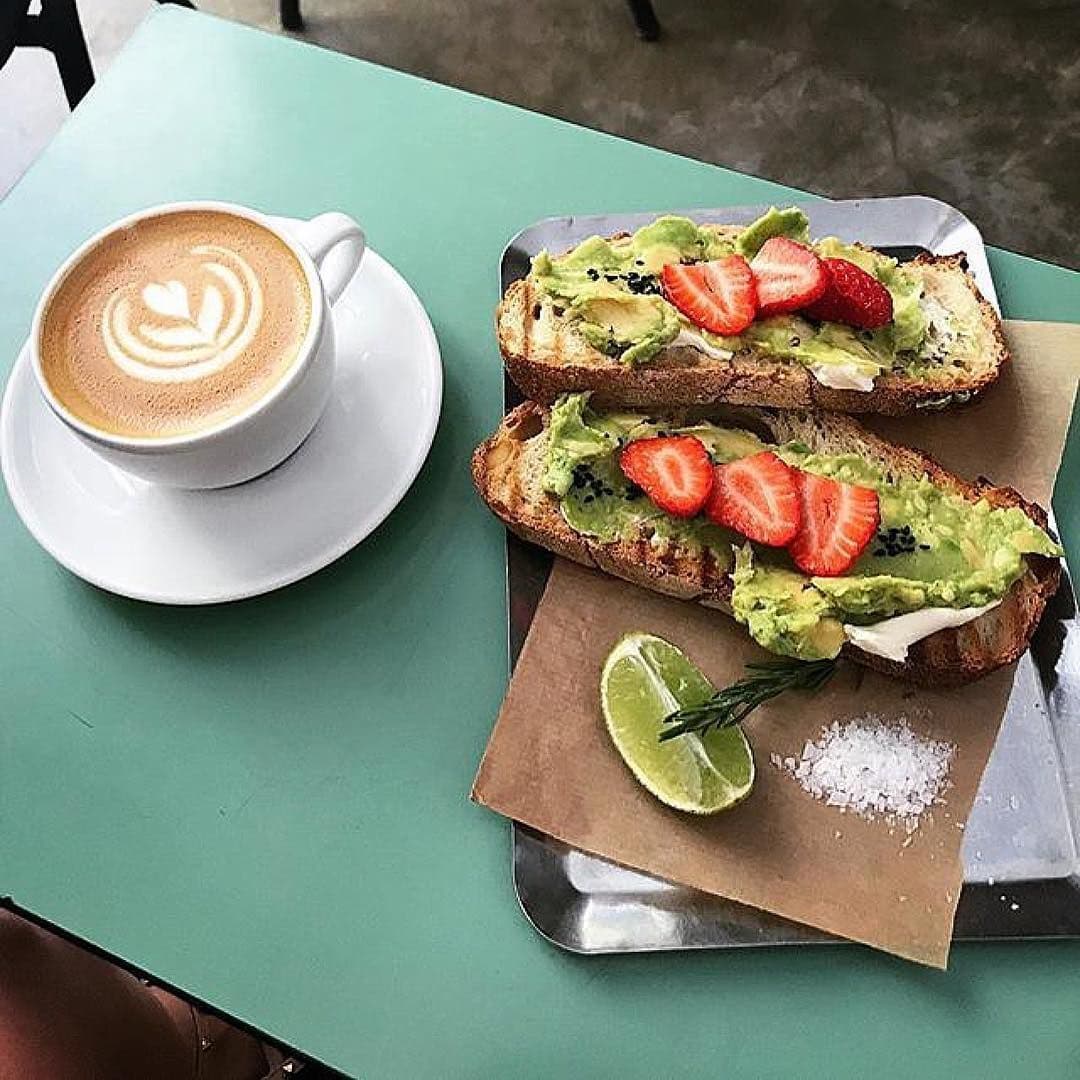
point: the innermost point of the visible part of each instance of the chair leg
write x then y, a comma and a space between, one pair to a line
291, 17
648, 26
63, 34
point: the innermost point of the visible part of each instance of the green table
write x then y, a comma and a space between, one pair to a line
265, 803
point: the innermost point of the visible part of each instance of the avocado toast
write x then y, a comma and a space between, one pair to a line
914, 571
683, 314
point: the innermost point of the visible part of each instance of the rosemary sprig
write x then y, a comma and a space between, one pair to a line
734, 703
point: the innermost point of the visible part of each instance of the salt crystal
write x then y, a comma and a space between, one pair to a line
874, 768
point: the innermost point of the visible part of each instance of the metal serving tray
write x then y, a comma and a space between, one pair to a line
1021, 857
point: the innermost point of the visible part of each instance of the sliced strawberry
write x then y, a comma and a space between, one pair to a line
758, 497
852, 296
674, 471
718, 296
838, 522
788, 276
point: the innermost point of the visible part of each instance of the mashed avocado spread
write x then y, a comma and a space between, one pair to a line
611, 287
933, 549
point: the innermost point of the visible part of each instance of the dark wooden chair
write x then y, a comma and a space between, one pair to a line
58, 29
648, 26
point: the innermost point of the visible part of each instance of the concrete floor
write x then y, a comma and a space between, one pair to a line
974, 101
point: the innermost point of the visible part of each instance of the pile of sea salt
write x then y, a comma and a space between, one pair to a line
874, 768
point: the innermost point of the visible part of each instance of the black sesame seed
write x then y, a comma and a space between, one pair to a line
795, 342
642, 285
925, 547
588, 498
879, 552
639, 262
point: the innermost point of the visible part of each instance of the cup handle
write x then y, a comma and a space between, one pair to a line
332, 232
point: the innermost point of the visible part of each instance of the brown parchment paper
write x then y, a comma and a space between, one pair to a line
551, 765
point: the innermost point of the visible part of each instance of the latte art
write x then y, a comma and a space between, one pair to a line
175, 324
187, 345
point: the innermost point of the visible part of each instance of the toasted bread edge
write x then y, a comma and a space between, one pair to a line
950, 657
753, 380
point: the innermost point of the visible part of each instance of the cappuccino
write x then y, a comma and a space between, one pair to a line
174, 324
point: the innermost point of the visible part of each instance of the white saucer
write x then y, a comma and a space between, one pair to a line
204, 547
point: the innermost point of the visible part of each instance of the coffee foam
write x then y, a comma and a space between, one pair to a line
175, 323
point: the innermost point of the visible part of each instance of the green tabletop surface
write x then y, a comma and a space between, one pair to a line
265, 803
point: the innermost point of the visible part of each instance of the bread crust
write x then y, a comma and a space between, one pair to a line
507, 474
552, 359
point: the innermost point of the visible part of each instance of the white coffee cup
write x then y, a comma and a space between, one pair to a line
330, 248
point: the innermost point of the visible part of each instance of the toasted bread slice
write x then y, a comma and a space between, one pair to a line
508, 471
546, 356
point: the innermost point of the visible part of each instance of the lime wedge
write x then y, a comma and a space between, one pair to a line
645, 678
